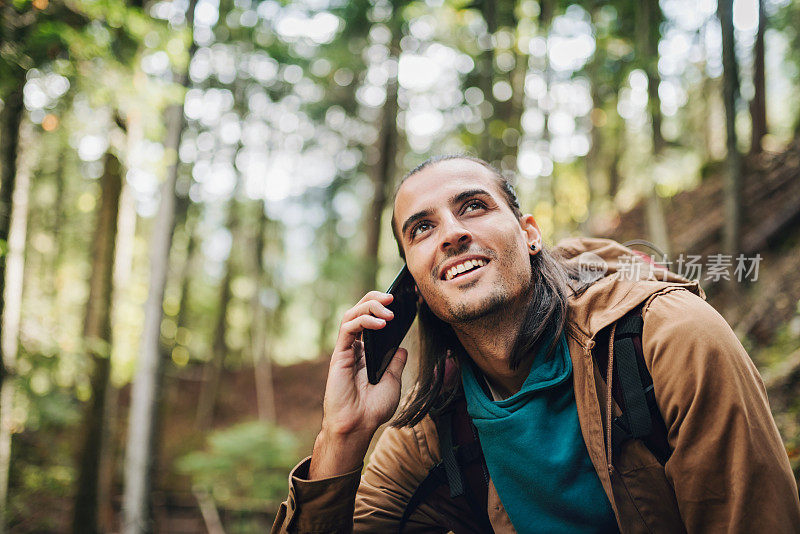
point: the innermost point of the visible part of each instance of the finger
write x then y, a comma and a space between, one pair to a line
370, 307
398, 363
350, 330
380, 296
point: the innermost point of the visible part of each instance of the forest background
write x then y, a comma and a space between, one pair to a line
193, 191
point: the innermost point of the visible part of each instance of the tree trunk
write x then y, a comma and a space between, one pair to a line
58, 221
383, 171
265, 388
262, 363
700, 111
654, 109
327, 315
10, 119
126, 226
758, 106
489, 144
327, 311
546, 14
123, 261
9, 338
593, 160
147, 382
614, 174
97, 339
517, 106
108, 459
213, 368
146, 390
186, 271
649, 18
730, 92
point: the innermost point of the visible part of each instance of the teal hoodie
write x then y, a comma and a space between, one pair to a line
535, 452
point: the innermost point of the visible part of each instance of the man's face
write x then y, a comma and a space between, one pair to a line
465, 248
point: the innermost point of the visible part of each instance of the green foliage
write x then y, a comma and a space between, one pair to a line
46, 421
244, 466
264, 101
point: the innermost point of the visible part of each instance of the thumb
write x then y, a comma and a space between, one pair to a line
397, 365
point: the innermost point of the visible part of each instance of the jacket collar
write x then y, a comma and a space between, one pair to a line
626, 281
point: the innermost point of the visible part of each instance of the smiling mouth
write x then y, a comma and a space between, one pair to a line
463, 268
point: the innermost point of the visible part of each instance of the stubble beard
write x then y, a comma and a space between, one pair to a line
491, 310
469, 312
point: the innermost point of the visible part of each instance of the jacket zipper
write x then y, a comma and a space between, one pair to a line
609, 398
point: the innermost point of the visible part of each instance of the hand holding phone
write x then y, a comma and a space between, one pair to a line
356, 402
381, 345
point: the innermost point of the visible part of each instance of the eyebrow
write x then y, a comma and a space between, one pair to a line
456, 199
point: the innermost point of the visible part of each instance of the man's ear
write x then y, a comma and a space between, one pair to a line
533, 236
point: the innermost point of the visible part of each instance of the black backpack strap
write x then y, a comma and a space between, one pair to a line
435, 478
641, 417
636, 415
455, 479
462, 466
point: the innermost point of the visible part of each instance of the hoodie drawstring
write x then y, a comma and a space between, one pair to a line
609, 398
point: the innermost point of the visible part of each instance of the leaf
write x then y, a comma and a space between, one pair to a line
243, 464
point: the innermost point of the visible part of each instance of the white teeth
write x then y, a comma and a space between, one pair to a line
462, 267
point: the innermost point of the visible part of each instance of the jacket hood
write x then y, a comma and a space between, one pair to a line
623, 280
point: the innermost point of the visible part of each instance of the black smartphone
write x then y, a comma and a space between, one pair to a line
381, 345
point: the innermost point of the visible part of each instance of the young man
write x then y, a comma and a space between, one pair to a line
522, 333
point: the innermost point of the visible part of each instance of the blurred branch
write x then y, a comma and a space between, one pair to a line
209, 510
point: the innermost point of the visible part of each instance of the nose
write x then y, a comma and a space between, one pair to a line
454, 234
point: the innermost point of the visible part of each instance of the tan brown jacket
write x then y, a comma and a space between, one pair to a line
729, 471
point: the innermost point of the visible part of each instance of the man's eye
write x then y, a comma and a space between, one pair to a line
473, 205
419, 229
